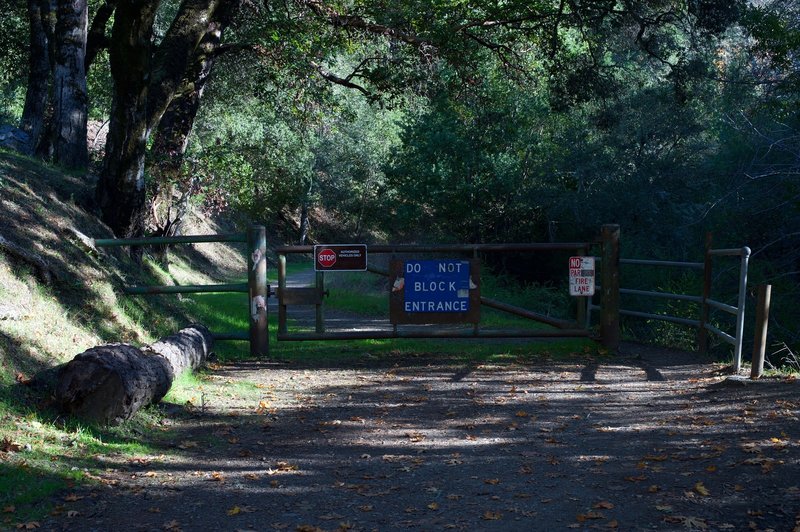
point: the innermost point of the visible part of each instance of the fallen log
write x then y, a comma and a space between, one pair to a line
108, 384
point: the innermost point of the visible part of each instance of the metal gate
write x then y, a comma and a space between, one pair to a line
562, 328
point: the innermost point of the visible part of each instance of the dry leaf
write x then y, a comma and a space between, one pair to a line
521, 413
366, 508
73, 513
433, 506
72, 497
30, 525
700, 489
217, 476
10, 509
8, 446
415, 436
492, 481
603, 505
492, 516
234, 511
589, 515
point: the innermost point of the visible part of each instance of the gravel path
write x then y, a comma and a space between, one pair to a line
646, 440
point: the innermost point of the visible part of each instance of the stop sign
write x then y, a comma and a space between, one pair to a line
326, 257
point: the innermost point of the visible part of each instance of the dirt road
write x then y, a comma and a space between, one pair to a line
647, 440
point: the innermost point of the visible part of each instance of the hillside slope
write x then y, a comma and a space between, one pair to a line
59, 297
69, 298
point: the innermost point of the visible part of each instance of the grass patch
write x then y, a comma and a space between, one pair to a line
43, 455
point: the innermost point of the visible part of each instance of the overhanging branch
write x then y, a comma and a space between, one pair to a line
344, 82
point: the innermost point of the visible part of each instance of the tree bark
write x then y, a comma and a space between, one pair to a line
69, 86
144, 85
109, 384
121, 187
39, 67
172, 137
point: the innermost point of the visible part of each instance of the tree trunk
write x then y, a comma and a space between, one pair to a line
172, 137
69, 86
121, 187
144, 85
109, 384
39, 66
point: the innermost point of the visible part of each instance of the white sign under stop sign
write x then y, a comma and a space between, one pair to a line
581, 276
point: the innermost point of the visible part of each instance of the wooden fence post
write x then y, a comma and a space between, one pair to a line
282, 324
319, 318
609, 317
702, 333
762, 320
257, 290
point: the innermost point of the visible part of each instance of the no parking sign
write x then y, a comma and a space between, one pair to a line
581, 276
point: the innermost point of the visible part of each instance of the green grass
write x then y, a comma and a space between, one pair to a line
365, 294
49, 456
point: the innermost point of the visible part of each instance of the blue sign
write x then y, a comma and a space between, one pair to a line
436, 286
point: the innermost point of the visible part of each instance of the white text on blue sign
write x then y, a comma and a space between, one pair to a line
436, 286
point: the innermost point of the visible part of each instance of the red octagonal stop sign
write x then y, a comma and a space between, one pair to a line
326, 257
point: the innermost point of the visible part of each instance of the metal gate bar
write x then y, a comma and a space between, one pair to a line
463, 333
566, 328
705, 300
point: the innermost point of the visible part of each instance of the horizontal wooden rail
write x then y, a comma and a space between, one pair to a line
525, 313
231, 336
454, 248
187, 289
463, 333
166, 240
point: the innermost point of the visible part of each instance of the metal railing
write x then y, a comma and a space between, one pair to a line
707, 304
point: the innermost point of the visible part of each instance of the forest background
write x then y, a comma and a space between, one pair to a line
432, 121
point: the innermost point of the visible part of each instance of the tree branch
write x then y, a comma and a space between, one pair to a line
359, 23
97, 39
344, 82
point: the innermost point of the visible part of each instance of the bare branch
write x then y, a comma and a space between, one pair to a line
344, 82
96, 39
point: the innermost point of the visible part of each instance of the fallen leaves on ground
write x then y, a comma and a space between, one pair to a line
9, 446
603, 505
589, 516
687, 521
491, 516
700, 489
415, 437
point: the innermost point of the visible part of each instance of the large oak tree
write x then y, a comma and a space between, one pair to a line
153, 76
